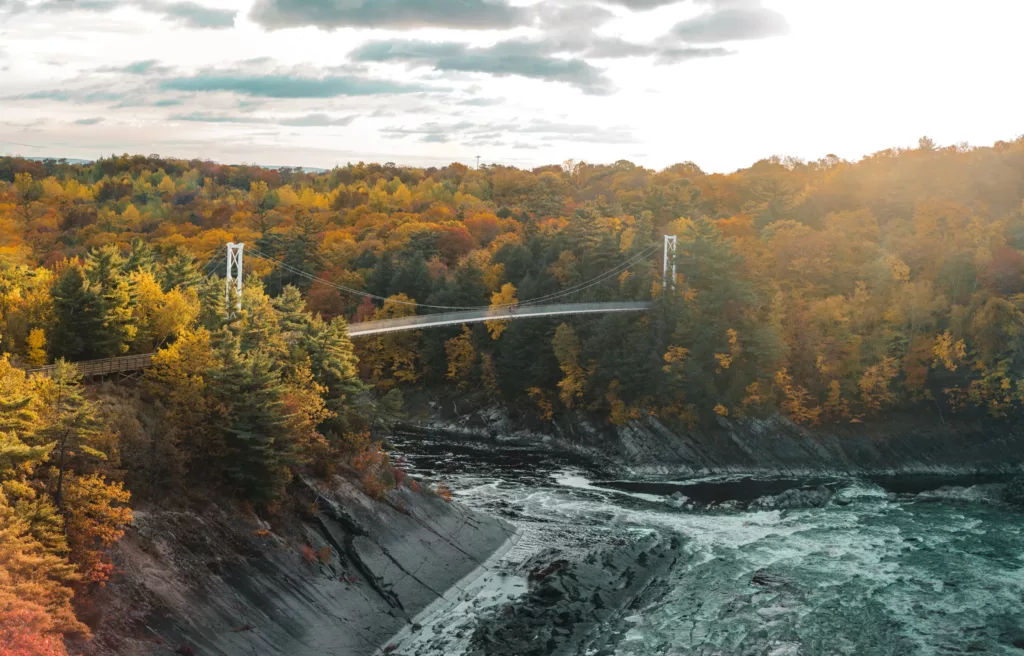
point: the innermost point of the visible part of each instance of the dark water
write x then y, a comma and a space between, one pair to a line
897, 566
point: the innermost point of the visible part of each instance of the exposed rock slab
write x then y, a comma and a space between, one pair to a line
774, 446
217, 583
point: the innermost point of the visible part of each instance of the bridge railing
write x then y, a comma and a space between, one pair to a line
495, 314
88, 368
131, 363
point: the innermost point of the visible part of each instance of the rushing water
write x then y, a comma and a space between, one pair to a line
874, 572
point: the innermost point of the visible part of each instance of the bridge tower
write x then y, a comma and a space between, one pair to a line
234, 274
670, 254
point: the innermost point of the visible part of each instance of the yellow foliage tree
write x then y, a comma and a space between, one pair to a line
567, 351
547, 411
461, 358
500, 301
795, 400
36, 347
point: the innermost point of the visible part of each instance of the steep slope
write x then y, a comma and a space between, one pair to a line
220, 583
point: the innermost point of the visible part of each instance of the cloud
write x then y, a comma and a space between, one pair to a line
307, 120
389, 14
732, 23
169, 102
89, 121
193, 15
287, 86
482, 102
676, 55
505, 58
78, 96
558, 56
12, 6
144, 67
140, 67
641, 5
189, 14
317, 120
204, 117
544, 130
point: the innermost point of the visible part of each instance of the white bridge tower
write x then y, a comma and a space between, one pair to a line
670, 253
234, 274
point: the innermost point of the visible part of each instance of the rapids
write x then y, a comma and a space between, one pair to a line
891, 566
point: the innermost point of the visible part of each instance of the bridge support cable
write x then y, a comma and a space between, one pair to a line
603, 277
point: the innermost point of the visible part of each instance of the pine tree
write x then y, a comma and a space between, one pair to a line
332, 360
253, 420
141, 257
181, 271
117, 326
291, 309
412, 279
76, 315
72, 424
18, 402
104, 268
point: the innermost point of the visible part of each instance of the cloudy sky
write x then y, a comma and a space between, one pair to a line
522, 82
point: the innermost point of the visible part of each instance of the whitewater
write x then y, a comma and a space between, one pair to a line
879, 569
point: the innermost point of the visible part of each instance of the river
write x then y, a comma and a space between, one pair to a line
899, 566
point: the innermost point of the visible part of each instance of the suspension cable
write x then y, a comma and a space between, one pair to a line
547, 297
595, 280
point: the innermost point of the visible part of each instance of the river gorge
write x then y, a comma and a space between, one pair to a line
721, 565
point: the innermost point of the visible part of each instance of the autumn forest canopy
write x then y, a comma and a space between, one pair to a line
828, 291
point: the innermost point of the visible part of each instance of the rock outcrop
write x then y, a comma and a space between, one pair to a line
795, 498
1014, 492
569, 603
340, 580
773, 446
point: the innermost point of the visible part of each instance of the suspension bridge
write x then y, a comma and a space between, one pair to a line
542, 306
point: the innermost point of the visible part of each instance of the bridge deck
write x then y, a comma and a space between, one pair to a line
476, 316
130, 363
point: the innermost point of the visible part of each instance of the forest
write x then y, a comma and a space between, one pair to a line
829, 291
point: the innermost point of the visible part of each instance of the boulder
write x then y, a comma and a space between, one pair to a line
1014, 492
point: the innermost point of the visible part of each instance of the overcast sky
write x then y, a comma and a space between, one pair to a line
321, 82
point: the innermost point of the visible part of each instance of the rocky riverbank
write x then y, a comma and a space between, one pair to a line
570, 604
899, 445
340, 580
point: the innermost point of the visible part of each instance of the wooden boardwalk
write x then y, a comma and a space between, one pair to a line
125, 365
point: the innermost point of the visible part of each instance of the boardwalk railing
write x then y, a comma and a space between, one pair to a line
132, 363
88, 368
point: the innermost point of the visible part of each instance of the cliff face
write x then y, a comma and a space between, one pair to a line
217, 582
773, 446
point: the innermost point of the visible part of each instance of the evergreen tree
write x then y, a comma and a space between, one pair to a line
332, 360
302, 251
72, 424
291, 309
212, 308
253, 420
104, 268
379, 280
76, 316
412, 279
141, 257
181, 271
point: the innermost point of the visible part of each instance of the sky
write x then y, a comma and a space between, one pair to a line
722, 83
